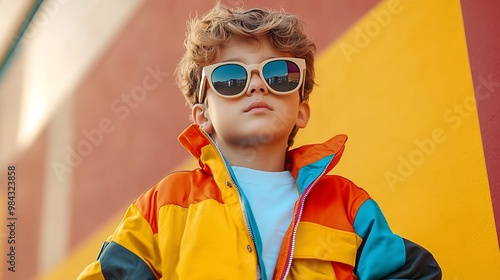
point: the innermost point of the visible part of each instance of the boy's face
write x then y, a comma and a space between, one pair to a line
258, 116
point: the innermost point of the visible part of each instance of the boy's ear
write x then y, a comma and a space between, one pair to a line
303, 115
201, 117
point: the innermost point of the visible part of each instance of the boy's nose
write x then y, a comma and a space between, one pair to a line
256, 85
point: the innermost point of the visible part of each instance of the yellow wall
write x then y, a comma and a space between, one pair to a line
399, 84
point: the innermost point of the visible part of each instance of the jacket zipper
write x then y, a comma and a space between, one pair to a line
299, 216
243, 208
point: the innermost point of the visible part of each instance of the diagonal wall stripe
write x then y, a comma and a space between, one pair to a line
13, 45
51, 77
483, 40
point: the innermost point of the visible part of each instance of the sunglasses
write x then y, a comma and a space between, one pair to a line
282, 75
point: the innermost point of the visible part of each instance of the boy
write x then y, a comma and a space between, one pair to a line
255, 209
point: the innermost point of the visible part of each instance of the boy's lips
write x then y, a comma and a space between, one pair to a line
257, 105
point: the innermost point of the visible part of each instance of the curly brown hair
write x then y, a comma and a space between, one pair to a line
205, 36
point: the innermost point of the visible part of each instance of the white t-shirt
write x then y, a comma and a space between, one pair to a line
272, 196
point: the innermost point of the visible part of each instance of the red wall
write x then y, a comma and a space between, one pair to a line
482, 30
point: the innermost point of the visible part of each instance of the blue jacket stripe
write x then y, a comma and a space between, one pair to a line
310, 172
381, 251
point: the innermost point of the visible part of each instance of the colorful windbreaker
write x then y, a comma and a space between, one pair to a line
198, 225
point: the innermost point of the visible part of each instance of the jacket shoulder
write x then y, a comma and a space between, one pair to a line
182, 189
335, 196
341, 187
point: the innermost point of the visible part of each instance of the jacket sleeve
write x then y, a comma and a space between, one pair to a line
130, 253
385, 255
420, 264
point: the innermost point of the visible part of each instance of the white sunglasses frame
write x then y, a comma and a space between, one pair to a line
206, 76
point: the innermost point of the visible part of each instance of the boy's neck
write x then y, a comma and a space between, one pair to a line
266, 157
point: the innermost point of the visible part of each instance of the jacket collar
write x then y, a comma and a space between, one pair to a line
306, 162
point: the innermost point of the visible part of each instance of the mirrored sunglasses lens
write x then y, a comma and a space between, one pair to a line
229, 79
282, 75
